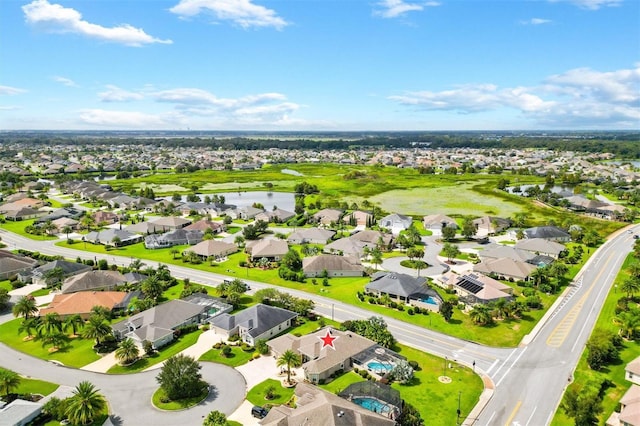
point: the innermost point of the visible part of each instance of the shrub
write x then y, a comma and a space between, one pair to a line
401, 307
410, 311
414, 365
226, 351
242, 263
321, 382
372, 301
417, 309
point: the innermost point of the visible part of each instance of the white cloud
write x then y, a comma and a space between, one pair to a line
8, 90
536, 21
591, 4
127, 119
56, 18
116, 94
577, 98
65, 81
241, 12
396, 8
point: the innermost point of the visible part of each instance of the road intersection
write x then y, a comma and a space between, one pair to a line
523, 385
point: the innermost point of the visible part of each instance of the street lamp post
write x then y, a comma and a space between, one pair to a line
444, 369
458, 411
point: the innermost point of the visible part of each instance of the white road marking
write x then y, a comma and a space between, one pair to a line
514, 363
492, 365
531, 416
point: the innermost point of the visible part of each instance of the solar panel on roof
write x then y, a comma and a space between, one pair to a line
471, 285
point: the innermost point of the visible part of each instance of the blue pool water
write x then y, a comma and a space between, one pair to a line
372, 404
430, 300
378, 366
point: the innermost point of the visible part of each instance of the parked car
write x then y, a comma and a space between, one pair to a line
259, 412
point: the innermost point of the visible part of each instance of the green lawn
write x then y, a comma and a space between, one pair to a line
282, 394
436, 402
236, 358
166, 352
36, 386
6, 284
175, 405
41, 292
18, 228
78, 352
614, 372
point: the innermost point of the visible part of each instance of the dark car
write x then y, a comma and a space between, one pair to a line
635, 236
259, 412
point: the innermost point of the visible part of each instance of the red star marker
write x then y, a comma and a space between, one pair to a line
328, 340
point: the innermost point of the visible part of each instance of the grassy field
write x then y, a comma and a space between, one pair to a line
166, 352
175, 405
78, 353
236, 358
34, 386
614, 372
282, 394
437, 402
6, 284
18, 228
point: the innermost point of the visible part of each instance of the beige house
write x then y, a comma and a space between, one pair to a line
325, 409
541, 246
629, 414
505, 267
272, 249
214, 248
336, 266
475, 287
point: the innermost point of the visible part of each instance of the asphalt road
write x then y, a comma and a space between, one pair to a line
529, 380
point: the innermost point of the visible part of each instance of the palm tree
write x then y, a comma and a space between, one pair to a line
629, 322
136, 265
539, 276
67, 230
49, 324
127, 351
376, 257
8, 380
74, 322
174, 251
501, 309
152, 287
630, 286
96, 328
55, 339
28, 325
85, 404
290, 359
24, 307
558, 271
481, 315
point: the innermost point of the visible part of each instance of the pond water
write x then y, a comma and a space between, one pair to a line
555, 189
283, 200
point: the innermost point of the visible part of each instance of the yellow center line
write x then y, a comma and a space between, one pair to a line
513, 413
560, 333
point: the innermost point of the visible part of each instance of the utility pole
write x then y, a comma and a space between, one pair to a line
458, 411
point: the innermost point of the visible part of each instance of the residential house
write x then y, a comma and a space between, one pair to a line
358, 218
82, 303
32, 203
146, 228
395, 223
275, 216
629, 413
112, 237
490, 225
176, 237
551, 233
93, 281
11, 265
311, 236
204, 224
66, 212
405, 289
65, 222
436, 222
473, 288
246, 213
69, 269
105, 217
320, 362
214, 248
158, 324
171, 222
332, 265
19, 412
325, 407
327, 216
498, 251
272, 249
23, 213
541, 246
505, 267
348, 247
373, 237
255, 323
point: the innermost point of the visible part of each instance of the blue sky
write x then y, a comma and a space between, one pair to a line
320, 64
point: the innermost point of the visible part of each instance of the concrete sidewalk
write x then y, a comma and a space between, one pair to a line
103, 364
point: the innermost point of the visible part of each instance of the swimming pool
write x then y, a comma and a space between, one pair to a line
379, 367
430, 300
372, 404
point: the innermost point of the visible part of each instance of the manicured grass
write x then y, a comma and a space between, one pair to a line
166, 352
436, 402
306, 326
282, 394
77, 353
6, 284
17, 227
614, 372
36, 386
180, 404
41, 292
236, 358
